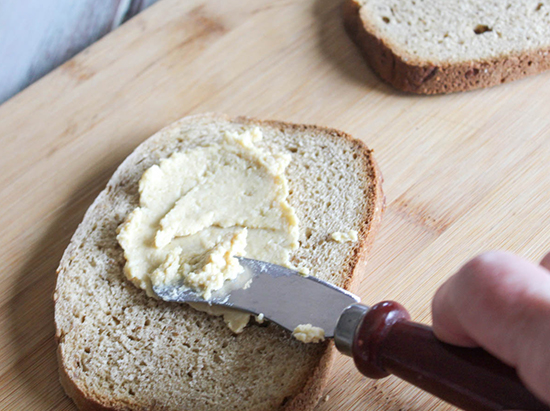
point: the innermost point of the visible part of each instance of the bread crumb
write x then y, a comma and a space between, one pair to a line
327, 397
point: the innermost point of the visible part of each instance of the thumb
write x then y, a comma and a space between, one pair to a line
546, 262
501, 303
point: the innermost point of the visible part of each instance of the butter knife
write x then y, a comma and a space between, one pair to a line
381, 339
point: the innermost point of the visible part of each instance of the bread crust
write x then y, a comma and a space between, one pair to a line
422, 77
313, 388
83, 401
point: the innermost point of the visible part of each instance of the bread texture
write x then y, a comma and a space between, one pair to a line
121, 350
441, 46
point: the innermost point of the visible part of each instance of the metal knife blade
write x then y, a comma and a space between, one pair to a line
282, 295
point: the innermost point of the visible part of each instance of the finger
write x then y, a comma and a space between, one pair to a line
447, 324
546, 262
502, 303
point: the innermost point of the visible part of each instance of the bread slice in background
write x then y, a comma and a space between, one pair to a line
443, 46
121, 350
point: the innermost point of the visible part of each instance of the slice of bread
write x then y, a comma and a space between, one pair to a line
443, 46
121, 350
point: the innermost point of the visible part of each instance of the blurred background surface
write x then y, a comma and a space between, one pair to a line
36, 36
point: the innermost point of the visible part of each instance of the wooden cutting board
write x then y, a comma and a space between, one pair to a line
463, 173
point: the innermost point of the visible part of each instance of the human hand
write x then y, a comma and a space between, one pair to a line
501, 303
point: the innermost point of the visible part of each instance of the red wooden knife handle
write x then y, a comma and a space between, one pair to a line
386, 343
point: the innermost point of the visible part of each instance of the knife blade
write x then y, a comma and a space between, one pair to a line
282, 295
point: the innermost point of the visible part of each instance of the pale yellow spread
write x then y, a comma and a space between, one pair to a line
236, 320
201, 207
343, 237
307, 333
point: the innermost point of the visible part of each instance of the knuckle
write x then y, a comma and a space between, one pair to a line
485, 272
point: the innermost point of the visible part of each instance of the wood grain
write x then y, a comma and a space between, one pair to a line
463, 173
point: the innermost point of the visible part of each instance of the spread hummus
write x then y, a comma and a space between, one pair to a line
201, 207
307, 333
344, 237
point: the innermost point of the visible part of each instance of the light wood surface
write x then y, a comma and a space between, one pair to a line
463, 173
